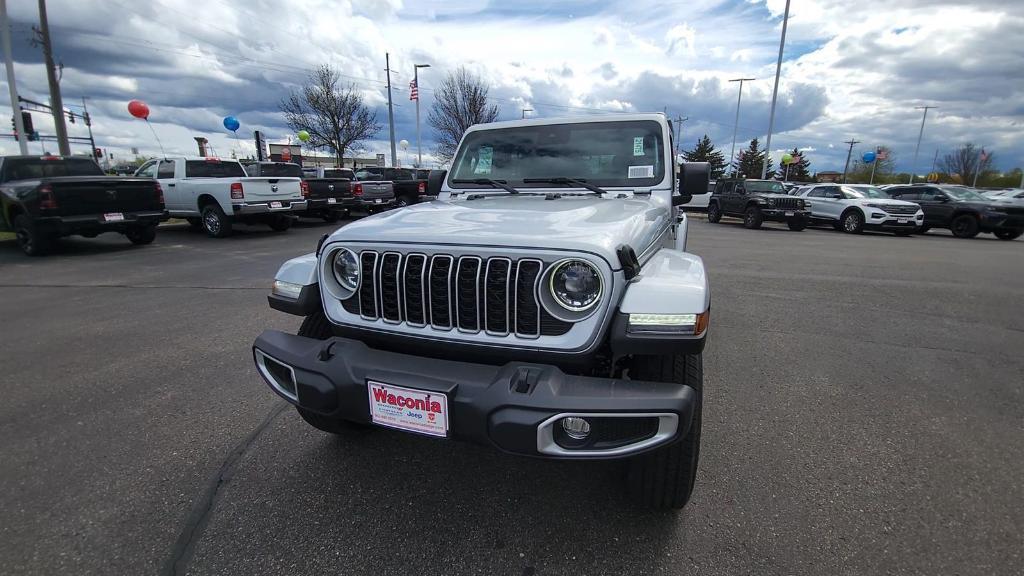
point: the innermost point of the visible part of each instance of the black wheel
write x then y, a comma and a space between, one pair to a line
331, 216
752, 218
402, 202
853, 222
838, 226
31, 240
317, 326
280, 223
664, 478
797, 225
923, 229
141, 234
215, 222
195, 223
1008, 234
964, 226
714, 213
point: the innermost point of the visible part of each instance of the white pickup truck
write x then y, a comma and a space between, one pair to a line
214, 194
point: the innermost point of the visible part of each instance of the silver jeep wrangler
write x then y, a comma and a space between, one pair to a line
545, 305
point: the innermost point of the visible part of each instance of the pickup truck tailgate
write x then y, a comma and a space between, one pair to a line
373, 190
81, 196
258, 189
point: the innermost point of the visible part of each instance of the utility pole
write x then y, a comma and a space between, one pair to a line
416, 83
851, 142
88, 124
679, 130
977, 170
9, 61
775, 95
56, 103
525, 110
736, 124
919, 135
391, 112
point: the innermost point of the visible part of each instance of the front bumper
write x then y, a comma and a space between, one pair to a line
881, 220
246, 208
513, 407
780, 215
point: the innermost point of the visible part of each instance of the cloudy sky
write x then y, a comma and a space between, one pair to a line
852, 68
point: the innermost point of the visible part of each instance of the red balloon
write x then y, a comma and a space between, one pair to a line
138, 109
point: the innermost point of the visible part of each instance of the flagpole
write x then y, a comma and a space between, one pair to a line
873, 164
981, 154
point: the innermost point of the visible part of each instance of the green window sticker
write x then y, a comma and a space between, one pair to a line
483, 164
638, 146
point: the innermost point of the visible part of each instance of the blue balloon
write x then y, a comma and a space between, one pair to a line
869, 157
231, 123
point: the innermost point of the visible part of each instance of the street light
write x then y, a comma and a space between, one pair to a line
775, 95
736, 124
525, 110
416, 82
919, 135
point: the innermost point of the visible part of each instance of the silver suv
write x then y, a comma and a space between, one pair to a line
545, 305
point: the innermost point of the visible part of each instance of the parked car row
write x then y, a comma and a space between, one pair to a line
854, 208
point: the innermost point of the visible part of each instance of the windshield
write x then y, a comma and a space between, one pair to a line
281, 170
964, 193
32, 168
764, 186
628, 154
864, 192
213, 169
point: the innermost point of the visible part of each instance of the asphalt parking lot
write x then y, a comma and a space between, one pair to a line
864, 408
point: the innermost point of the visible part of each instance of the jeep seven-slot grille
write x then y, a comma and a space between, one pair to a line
789, 203
471, 294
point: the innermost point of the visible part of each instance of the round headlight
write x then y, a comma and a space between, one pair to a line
346, 269
576, 285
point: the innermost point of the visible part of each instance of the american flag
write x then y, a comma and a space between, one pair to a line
414, 91
984, 155
881, 154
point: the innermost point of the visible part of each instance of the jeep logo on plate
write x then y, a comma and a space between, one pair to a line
273, 187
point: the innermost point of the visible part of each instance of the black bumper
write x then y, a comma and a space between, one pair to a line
375, 202
322, 204
777, 215
96, 224
501, 406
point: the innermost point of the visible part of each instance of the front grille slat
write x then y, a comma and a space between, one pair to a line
495, 295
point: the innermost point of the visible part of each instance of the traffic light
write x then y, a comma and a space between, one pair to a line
26, 121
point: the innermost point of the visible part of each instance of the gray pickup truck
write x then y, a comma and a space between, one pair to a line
544, 305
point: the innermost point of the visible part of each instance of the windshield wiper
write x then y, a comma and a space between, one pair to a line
493, 183
562, 180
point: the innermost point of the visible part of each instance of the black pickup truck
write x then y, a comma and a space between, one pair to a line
43, 198
410, 185
328, 193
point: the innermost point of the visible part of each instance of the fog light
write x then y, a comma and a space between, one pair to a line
576, 428
287, 289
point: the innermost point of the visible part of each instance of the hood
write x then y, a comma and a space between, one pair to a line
583, 223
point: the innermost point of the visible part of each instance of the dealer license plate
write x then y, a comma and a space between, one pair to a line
377, 201
903, 220
789, 213
332, 200
275, 204
408, 409
113, 217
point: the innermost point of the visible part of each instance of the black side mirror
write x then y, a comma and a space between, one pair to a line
693, 180
942, 198
435, 180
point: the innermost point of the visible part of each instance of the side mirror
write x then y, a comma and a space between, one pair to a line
942, 198
435, 180
693, 180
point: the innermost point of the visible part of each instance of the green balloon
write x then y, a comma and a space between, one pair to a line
303, 135
787, 158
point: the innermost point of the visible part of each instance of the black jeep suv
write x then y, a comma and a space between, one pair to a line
962, 210
756, 201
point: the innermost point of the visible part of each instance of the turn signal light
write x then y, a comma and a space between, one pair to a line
159, 194
236, 191
47, 201
694, 324
422, 188
304, 186
357, 189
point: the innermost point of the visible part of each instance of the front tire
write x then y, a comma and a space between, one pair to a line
853, 222
664, 478
318, 327
140, 235
964, 226
31, 240
216, 224
402, 202
1008, 234
752, 218
714, 213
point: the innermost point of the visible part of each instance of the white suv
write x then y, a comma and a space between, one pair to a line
854, 208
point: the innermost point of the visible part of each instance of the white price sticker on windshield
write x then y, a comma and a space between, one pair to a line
483, 164
641, 172
638, 146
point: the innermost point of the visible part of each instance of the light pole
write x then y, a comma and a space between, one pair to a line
919, 135
391, 113
775, 94
416, 92
736, 124
5, 32
525, 110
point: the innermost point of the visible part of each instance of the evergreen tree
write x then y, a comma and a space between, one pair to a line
705, 151
748, 162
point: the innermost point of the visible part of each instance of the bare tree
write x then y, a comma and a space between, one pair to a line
965, 161
334, 115
459, 102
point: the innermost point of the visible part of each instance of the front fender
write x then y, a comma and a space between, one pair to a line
301, 273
